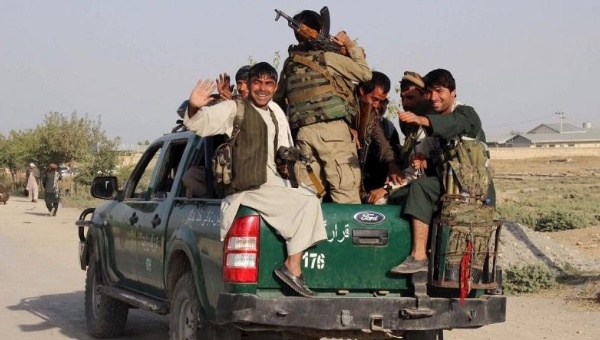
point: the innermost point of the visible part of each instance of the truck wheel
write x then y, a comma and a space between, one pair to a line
187, 320
424, 335
105, 316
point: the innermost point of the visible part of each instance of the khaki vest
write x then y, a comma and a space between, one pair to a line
313, 93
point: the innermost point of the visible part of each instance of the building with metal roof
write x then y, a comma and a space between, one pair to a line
554, 136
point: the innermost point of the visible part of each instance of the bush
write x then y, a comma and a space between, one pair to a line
560, 220
528, 278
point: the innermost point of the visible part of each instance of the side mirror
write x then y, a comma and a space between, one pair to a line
105, 187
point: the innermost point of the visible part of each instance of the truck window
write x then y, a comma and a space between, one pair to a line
194, 178
139, 186
169, 171
155, 174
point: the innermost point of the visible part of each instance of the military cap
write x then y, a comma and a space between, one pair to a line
414, 78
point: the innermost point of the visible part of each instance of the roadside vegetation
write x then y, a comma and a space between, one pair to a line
79, 194
528, 279
75, 143
550, 195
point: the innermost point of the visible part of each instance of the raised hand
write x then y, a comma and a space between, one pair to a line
224, 86
200, 95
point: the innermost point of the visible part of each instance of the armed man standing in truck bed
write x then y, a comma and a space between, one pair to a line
294, 212
316, 89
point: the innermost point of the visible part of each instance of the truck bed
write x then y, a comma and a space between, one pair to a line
363, 243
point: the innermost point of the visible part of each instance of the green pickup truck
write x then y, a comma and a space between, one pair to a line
148, 246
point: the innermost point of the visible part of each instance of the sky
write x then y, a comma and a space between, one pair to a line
129, 64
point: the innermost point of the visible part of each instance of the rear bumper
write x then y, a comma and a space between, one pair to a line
348, 314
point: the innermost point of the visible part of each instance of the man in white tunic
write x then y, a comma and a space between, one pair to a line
294, 212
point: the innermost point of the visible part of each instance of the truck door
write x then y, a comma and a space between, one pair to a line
153, 217
127, 216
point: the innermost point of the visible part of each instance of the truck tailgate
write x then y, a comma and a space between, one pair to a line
363, 243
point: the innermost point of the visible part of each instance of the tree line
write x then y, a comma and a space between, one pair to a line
78, 143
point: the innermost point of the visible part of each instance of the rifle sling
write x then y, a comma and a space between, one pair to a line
309, 93
315, 181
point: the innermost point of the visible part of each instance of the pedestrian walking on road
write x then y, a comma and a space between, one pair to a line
32, 183
51, 189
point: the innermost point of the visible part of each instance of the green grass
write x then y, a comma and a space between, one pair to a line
549, 196
528, 279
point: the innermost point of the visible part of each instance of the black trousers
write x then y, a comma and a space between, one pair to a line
52, 200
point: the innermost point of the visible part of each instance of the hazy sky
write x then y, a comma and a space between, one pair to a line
133, 62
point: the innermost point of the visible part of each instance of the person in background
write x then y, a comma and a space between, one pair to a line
380, 164
417, 144
194, 180
4, 195
51, 188
225, 89
32, 183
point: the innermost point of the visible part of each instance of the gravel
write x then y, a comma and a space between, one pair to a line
521, 245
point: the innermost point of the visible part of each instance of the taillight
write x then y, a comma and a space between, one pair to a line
240, 256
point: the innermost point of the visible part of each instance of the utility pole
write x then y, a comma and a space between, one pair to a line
561, 117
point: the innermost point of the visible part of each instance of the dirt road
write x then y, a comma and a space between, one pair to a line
41, 295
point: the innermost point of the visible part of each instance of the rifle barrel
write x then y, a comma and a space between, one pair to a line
281, 14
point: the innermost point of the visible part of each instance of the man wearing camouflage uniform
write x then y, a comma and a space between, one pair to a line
316, 88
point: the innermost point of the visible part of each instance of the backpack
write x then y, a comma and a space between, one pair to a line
469, 161
466, 233
222, 162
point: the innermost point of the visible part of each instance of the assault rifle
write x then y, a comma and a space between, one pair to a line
320, 40
291, 155
364, 128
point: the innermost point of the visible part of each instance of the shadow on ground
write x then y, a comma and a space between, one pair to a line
583, 285
519, 234
66, 312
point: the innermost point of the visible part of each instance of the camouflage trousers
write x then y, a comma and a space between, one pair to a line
336, 159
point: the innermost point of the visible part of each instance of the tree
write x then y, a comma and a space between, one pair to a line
78, 142
17, 150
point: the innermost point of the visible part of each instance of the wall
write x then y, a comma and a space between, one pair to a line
523, 153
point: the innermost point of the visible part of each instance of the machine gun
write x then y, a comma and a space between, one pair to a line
321, 40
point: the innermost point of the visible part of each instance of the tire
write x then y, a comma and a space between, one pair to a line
424, 335
187, 320
105, 316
